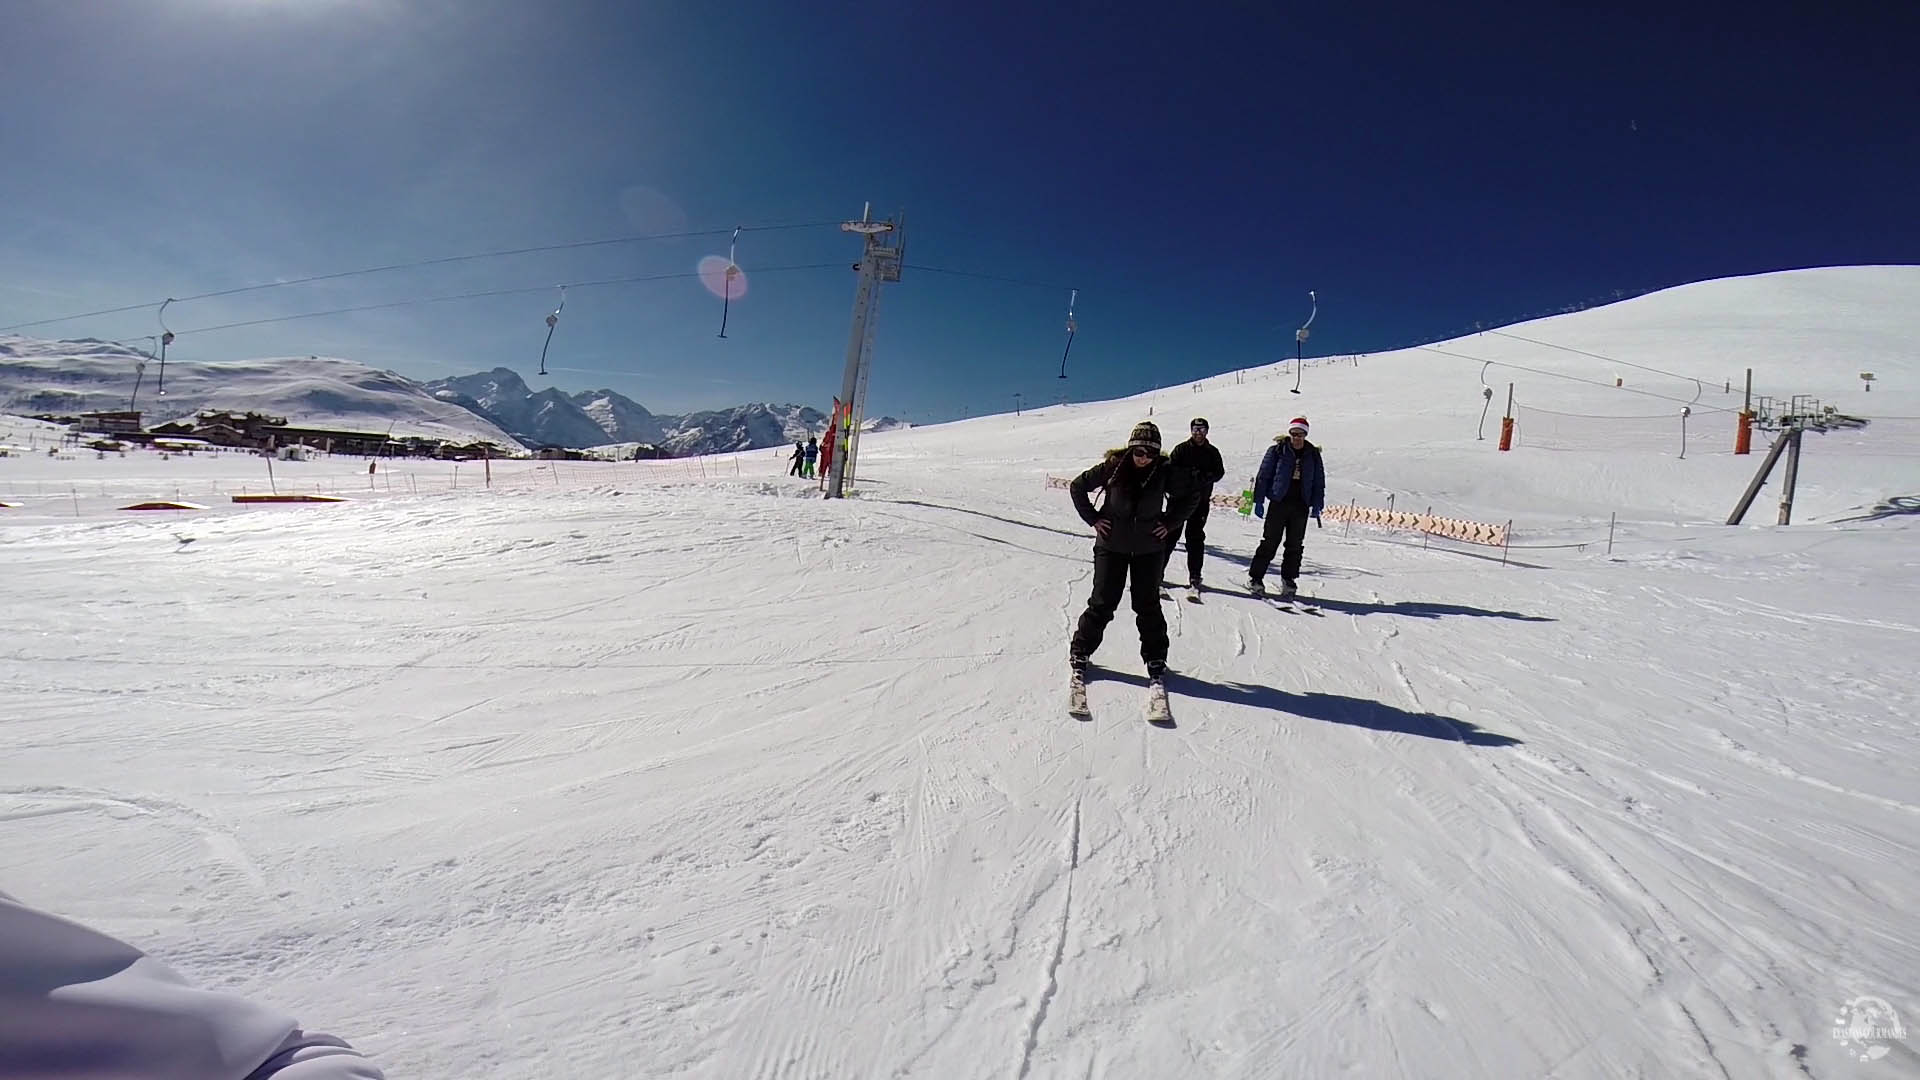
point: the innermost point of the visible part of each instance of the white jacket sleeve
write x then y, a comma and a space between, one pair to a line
77, 1003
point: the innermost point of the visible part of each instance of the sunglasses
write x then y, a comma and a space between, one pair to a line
1142, 452
1198, 427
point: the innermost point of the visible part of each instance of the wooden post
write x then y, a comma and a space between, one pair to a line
1506, 422
1610, 520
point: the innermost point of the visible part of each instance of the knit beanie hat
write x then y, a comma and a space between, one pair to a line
1145, 433
1299, 424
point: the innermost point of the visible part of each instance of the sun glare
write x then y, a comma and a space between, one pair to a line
715, 275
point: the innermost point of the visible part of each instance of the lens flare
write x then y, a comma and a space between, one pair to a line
714, 275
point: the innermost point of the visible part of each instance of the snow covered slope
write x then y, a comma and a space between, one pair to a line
310, 391
1405, 423
670, 769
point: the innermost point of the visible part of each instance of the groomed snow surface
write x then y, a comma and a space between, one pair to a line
675, 769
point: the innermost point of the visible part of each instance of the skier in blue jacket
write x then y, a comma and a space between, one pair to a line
1294, 481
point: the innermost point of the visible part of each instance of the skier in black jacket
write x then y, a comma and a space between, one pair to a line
1196, 468
1130, 529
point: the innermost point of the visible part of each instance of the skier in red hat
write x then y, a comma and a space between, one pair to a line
1293, 479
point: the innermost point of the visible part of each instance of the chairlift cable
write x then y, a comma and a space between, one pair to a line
416, 264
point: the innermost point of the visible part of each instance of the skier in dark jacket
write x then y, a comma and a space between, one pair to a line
798, 459
1294, 481
813, 451
1130, 530
1196, 468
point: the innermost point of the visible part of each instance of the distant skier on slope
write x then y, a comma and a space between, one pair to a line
798, 460
1294, 480
813, 451
1130, 528
1196, 468
76, 1004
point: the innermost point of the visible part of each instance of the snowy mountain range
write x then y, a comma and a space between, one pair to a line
86, 375
553, 417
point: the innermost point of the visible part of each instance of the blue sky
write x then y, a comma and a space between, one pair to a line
1193, 170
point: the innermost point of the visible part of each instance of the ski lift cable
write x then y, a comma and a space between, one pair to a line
1596, 356
442, 261
1660, 417
523, 291
976, 274
1563, 375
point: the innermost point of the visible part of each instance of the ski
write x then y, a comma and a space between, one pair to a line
1077, 699
1291, 597
1288, 607
1159, 714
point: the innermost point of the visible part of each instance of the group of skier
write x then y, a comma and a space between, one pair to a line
1148, 499
805, 454
803, 458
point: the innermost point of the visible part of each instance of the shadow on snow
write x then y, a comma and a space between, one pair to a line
1331, 708
1419, 609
